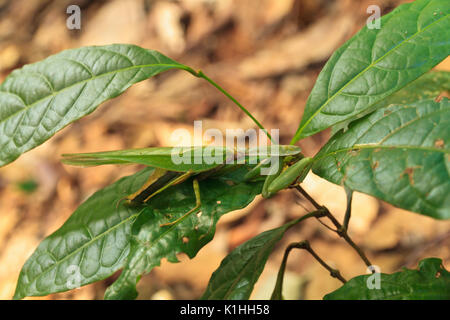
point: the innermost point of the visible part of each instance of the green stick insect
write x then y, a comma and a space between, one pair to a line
284, 165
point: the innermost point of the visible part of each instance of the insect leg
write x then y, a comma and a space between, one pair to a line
173, 182
156, 176
197, 205
256, 171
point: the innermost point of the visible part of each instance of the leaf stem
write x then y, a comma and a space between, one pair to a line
341, 231
348, 211
277, 291
306, 246
200, 74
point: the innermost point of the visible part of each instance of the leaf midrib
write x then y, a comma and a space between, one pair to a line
58, 262
146, 246
244, 268
298, 134
55, 93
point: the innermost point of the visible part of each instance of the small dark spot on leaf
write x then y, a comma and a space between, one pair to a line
230, 182
439, 143
375, 165
410, 173
185, 239
387, 112
443, 94
438, 274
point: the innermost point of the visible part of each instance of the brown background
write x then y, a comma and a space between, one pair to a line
267, 53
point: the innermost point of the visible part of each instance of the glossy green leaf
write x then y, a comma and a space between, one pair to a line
378, 62
239, 271
429, 86
40, 99
180, 159
400, 154
430, 282
151, 242
91, 245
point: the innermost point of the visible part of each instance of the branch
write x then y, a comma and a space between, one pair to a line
306, 246
341, 230
277, 291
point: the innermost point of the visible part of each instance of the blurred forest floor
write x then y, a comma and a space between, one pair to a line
267, 53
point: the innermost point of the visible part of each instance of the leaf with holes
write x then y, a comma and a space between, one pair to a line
40, 99
430, 282
91, 245
400, 154
151, 242
378, 62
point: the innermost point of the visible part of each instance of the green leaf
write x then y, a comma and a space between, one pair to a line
239, 271
430, 282
399, 154
377, 62
428, 86
91, 245
151, 242
40, 99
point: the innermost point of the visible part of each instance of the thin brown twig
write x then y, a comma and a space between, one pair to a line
306, 246
326, 226
299, 199
341, 231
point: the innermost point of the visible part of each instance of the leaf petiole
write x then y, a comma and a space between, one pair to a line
200, 74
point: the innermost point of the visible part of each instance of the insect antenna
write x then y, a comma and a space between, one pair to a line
298, 200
